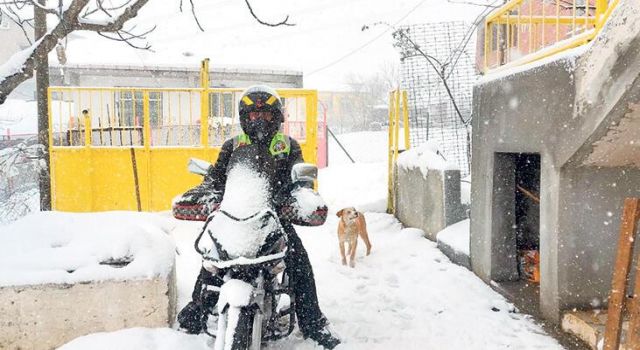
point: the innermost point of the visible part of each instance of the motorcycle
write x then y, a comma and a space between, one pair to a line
244, 243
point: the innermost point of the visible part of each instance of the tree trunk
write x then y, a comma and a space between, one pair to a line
42, 84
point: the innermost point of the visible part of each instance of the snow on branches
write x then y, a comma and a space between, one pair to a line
107, 18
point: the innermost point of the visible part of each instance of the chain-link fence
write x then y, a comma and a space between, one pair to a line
451, 49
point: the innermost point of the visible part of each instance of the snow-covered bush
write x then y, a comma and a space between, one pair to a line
20, 165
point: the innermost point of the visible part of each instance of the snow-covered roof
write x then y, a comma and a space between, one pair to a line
181, 67
59, 247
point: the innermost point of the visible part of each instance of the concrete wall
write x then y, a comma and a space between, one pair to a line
517, 114
561, 110
430, 202
50, 315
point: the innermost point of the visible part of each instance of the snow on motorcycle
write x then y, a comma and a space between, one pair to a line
244, 243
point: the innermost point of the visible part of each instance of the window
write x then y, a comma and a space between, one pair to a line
132, 109
221, 105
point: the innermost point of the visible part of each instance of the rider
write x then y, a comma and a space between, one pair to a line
261, 114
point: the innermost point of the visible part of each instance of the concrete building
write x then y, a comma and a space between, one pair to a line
12, 37
169, 76
567, 131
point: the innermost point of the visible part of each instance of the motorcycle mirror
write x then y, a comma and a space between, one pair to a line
305, 172
198, 166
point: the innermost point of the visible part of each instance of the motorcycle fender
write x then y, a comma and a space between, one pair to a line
235, 293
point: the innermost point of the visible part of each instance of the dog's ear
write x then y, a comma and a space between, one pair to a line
339, 213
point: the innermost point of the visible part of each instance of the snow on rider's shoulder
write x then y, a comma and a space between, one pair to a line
425, 157
60, 247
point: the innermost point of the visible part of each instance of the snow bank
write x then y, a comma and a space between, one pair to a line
139, 339
425, 157
363, 147
58, 247
360, 185
456, 236
18, 117
21, 117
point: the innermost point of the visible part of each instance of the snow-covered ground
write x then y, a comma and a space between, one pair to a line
405, 295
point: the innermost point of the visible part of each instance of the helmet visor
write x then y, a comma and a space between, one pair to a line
263, 115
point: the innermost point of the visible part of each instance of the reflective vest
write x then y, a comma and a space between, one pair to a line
279, 147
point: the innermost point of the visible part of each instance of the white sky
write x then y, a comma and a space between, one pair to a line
325, 31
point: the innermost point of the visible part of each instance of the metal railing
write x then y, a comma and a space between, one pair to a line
523, 31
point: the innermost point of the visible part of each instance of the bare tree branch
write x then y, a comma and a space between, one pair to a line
193, 12
283, 23
116, 24
74, 16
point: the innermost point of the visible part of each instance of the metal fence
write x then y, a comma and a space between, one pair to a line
112, 148
432, 114
523, 31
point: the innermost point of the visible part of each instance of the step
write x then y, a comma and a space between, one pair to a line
589, 327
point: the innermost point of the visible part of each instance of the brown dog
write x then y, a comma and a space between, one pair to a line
352, 225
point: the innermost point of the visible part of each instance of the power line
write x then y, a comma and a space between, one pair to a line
367, 43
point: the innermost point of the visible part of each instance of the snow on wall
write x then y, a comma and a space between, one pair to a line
456, 236
425, 157
59, 247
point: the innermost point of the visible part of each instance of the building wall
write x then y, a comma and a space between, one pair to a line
12, 38
580, 205
167, 76
564, 110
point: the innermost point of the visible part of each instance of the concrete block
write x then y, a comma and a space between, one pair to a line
430, 202
589, 327
49, 315
456, 257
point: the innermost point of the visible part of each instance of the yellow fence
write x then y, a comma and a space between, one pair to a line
398, 108
523, 31
128, 148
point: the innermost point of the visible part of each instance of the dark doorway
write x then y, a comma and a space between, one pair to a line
527, 215
516, 228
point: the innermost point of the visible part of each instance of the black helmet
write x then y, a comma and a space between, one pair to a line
260, 98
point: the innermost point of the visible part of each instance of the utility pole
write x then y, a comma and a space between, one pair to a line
42, 84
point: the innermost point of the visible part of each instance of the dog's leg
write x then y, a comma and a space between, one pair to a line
353, 245
364, 235
344, 258
365, 238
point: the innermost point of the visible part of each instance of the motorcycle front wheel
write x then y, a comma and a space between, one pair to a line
245, 330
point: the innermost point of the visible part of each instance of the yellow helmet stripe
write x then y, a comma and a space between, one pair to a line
247, 100
271, 100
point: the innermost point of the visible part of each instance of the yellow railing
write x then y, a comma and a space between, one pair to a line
523, 31
398, 106
128, 148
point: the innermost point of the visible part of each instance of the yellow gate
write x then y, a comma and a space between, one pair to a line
397, 105
128, 148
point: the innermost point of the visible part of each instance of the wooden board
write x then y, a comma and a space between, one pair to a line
621, 269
